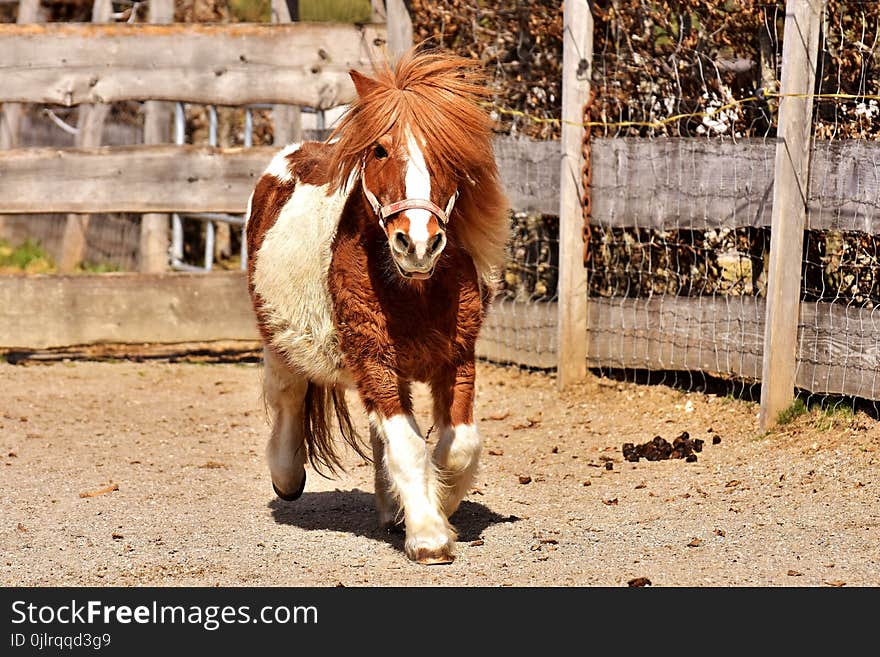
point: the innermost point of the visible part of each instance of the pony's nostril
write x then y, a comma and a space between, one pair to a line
402, 242
437, 242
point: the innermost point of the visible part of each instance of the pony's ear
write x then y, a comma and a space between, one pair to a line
362, 83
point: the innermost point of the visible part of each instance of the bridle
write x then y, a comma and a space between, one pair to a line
385, 211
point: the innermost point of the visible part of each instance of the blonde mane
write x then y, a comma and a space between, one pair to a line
436, 96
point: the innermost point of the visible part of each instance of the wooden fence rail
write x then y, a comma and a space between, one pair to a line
230, 64
130, 179
839, 354
668, 184
700, 184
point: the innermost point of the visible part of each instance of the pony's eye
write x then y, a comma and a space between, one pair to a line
380, 152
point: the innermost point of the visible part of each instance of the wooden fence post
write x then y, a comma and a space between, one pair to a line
90, 128
400, 30
286, 119
577, 64
10, 113
153, 249
378, 7
803, 20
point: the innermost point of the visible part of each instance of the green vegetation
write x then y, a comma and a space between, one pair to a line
251, 11
791, 413
28, 257
825, 415
339, 11
832, 415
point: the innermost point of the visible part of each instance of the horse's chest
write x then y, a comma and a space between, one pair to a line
413, 330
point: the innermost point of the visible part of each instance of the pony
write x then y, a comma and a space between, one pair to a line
372, 260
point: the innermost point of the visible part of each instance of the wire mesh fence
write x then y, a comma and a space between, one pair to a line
682, 188
678, 249
522, 326
839, 328
521, 329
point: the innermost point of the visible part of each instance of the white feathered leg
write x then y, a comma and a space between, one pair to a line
429, 537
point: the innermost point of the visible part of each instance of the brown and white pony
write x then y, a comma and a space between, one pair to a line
370, 264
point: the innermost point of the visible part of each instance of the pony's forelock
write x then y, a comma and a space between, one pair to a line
436, 96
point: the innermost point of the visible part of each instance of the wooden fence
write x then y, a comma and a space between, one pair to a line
675, 184
661, 184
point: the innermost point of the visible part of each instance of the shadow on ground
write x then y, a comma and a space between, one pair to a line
352, 511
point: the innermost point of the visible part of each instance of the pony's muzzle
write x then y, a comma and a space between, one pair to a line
416, 257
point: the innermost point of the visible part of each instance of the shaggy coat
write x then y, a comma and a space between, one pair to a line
337, 306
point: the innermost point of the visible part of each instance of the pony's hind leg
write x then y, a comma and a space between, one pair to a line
386, 505
457, 453
285, 393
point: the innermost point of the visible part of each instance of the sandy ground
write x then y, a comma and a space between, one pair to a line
194, 505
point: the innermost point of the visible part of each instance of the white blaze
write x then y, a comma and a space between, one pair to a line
418, 185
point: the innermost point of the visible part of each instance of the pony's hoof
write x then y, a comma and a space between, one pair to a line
293, 496
433, 557
430, 552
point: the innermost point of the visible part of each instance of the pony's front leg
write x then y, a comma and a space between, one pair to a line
411, 476
457, 453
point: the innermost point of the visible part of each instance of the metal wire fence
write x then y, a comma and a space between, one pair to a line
521, 328
839, 328
679, 242
683, 173
681, 207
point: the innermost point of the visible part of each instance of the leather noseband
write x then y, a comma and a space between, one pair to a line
385, 211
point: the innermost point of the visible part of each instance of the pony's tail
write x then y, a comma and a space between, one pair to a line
321, 404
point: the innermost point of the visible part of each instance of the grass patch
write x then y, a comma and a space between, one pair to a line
27, 257
832, 415
251, 11
824, 415
337, 11
797, 408
340, 11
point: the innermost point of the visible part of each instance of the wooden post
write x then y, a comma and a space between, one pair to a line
90, 126
286, 119
803, 19
577, 65
11, 113
399, 26
153, 248
378, 7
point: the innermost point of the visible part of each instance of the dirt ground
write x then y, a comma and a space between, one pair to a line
194, 505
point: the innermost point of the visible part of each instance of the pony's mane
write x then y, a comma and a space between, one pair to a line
436, 95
